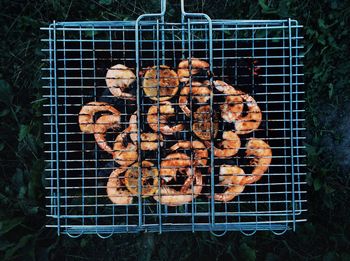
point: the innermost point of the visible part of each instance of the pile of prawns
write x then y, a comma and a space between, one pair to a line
161, 84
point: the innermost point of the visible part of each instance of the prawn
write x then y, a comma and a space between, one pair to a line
115, 192
166, 111
149, 141
228, 147
197, 68
202, 124
173, 163
124, 151
149, 174
118, 78
87, 112
232, 108
190, 190
199, 91
261, 162
102, 124
201, 153
230, 177
250, 122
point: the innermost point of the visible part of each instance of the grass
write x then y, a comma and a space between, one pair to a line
325, 236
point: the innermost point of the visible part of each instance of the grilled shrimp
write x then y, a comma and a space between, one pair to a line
198, 67
250, 122
190, 190
200, 154
173, 163
125, 152
168, 83
230, 177
228, 147
149, 141
200, 91
262, 159
87, 112
102, 124
115, 192
118, 78
149, 179
232, 108
166, 111
202, 124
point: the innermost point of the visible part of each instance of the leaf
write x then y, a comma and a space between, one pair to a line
265, 8
317, 184
345, 256
105, 2
330, 256
24, 241
330, 90
6, 95
321, 23
23, 132
8, 224
5, 245
4, 112
246, 252
271, 257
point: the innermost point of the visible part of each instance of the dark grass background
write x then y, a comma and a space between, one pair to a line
326, 235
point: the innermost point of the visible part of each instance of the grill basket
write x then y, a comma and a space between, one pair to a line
260, 57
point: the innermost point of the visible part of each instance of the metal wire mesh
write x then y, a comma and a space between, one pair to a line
262, 58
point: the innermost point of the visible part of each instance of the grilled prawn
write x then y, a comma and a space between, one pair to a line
262, 159
228, 147
166, 111
190, 190
88, 111
104, 123
118, 78
198, 68
199, 91
230, 177
115, 191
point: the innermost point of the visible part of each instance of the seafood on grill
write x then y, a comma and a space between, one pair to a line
232, 108
199, 91
162, 78
124, 150
118, 78
172, 164
149, 141
251, 121
88, 111
115, 191
200, 151
166, 110
191, 188
102, 125
193, 67
149, 179
202, 123
230, 177
262, 159
228, 147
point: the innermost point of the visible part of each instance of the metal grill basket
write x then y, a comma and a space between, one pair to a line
260, 57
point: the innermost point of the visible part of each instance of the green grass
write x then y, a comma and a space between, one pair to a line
326, 235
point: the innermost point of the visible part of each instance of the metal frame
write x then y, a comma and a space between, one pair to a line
78, 52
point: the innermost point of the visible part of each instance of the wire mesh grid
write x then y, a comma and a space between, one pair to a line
262, 58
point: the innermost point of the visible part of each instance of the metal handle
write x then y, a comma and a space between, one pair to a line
184, 13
